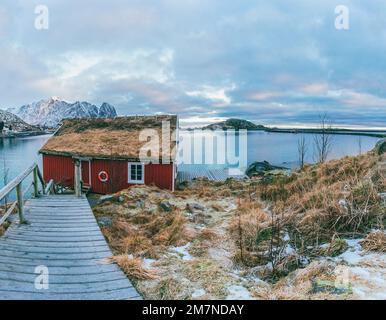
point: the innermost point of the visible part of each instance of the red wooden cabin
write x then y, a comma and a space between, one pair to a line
108, 153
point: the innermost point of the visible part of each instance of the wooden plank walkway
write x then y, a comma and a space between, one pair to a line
64, 236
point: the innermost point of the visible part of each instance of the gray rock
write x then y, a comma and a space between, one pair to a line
107, 197
192, 207
200, 218
140, 203
380, 147
261, 168
105, 221
165, 206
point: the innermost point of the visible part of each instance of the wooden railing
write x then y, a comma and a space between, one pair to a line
17, 184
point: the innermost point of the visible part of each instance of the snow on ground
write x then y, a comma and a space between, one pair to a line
198, 293
183, 252
147, 263
364, 271
237, 292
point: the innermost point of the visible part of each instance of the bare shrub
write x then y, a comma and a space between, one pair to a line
375, 241
133, 268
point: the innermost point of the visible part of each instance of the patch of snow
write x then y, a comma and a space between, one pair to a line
231, 206
343, 203
238, 293
354, 243
148, 262
366, 271
286, 237
183, 252
288, 250
351, 257
198, 293
324, 246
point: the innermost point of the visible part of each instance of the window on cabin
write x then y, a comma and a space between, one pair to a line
136, 173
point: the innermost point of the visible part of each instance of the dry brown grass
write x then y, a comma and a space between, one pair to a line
146, 239
375, 241
4, 227
141, 231
336, 247
323, 203
169, 288
103, 142
133, 267
299, 284
207, 234
212, 277
248, 228
209, 190
339, 197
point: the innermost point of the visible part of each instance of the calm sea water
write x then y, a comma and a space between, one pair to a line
276, 148
17, 154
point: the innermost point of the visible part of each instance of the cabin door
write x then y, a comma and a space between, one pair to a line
86, 173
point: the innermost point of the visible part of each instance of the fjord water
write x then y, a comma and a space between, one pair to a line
17, 154
277, 148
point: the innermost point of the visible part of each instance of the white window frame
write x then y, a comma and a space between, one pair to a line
142, 181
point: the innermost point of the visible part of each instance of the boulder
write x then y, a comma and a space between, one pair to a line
262, 168
192, 207
105, 221
140, 204
165, 206
108, 197
380, 147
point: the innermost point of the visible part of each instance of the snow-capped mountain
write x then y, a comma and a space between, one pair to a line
12, 122
49, 112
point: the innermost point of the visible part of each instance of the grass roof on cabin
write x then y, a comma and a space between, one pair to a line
108, 137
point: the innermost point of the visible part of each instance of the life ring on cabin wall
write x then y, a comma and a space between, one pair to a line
103, 176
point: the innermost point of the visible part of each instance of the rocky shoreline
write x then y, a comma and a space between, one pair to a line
24, 134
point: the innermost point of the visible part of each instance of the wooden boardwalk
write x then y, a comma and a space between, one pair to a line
64, 236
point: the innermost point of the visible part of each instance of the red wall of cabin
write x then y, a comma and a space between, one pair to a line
61, 169
160, 175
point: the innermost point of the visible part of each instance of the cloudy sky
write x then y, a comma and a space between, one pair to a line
272, 62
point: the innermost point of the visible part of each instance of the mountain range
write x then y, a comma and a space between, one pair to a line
12, 122
48, 113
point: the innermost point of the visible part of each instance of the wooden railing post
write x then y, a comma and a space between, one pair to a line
36, 187
78, 185
20, 202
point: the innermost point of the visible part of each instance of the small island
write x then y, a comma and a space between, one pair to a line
240, 124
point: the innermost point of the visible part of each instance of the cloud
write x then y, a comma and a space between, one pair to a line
267, 61
217, 95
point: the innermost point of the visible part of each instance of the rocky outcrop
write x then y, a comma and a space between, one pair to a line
380, 147
262, 168
12, 123
236, 124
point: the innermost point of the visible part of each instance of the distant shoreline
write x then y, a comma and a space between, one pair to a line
24, 134
354, 132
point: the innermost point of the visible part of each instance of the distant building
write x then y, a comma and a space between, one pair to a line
107, 153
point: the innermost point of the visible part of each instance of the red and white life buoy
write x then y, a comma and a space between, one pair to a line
103, 176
